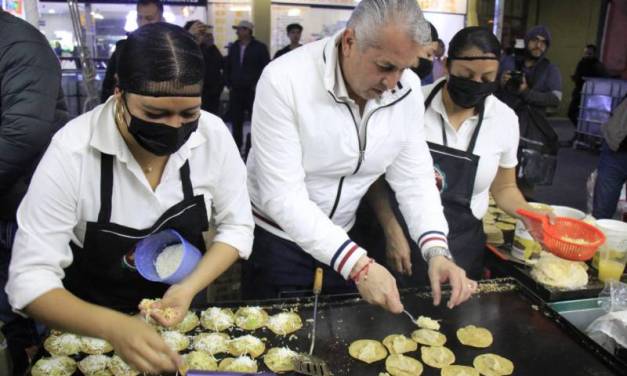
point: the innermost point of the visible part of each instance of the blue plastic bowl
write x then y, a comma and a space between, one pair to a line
148, 249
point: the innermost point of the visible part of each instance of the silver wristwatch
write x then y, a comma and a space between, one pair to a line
438, 251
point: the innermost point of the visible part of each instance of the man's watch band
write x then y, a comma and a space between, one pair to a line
438, 251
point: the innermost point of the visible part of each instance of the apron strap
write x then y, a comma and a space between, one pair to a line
475, 135
433, 92
188, 190
106, 187
428, 101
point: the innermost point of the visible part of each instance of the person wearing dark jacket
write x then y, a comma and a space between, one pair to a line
588, 66
32, 109
532, 78
148, 11
530, 84
213, 83
245, 61
612, 166
294, 32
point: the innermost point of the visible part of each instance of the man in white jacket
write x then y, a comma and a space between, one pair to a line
329, 119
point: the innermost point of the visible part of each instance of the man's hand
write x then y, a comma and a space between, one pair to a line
441, 270
506, 76
523, 86
378, 286
141, 346
397, 250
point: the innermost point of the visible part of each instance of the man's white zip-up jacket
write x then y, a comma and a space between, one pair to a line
314, 156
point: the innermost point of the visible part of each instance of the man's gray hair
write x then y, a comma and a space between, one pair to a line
371, 16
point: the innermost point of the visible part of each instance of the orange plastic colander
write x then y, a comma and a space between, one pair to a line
567, 238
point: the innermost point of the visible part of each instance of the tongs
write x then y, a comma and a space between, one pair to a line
307, 364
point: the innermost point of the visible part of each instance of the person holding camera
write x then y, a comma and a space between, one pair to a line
530, 76
530, 84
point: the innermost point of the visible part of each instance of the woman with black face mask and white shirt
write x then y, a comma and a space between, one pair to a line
146, 160
473, 140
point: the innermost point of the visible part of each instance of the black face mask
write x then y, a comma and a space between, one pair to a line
424, 68
467, 93
160, 139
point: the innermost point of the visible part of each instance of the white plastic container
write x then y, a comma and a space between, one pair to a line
565, 211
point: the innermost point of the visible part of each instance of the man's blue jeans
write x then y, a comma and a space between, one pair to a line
611, 176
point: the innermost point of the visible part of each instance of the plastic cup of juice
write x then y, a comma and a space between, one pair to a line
611, 263
616, 237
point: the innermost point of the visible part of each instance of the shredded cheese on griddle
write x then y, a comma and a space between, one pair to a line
244, 361
217, 317
427, 323
94, 363
369, 351
211, 343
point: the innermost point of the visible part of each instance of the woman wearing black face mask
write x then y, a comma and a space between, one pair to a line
146, 160
424, 66
473, 140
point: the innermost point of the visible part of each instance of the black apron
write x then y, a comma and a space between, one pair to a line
456, 171
103, 270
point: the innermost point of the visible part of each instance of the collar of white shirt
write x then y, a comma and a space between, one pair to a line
107, 139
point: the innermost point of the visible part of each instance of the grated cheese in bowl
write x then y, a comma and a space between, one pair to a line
169, 260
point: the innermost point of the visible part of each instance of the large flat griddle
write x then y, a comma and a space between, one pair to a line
524, 329
523, 332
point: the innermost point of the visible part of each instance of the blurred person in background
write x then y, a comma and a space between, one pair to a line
530, 84
148, 11
532, 78
57, 49
588, 66
612, 167
32, 109
213, 83
439, 68
294, 33
424, 67
245, 61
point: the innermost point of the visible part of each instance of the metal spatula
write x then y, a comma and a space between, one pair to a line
307, 364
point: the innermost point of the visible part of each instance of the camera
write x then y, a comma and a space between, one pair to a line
515, 81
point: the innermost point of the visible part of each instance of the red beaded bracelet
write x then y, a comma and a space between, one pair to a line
356, 278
